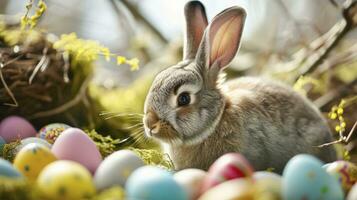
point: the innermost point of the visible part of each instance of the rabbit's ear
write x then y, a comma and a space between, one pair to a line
196, 23
221, 41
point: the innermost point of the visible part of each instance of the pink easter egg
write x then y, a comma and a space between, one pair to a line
73, 144
227, 167
16, 128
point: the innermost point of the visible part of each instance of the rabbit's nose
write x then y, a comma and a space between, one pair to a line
152, 122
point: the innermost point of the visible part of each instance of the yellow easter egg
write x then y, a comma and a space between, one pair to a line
32, 158
237, 189
65, 179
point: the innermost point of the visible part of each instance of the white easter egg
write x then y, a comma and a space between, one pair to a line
116, 168
191, 181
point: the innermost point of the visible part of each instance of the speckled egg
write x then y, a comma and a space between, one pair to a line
345, 172
227, 167
153, 183
32, 158
191, 180
51, 132
304, 178
35, 140
7, 170
65, 179
13, 128
73, 144
237, 189
116, 168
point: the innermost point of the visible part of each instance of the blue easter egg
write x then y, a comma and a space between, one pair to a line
304, 178
7, 170
153, 183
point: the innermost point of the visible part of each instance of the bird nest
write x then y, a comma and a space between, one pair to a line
38, 81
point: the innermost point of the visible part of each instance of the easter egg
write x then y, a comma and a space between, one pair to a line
30, 140
237, 189
227, 167
73, 144
65, 179
345, 172
260, 175
51, 132
7, 170
153, 183
191, 180
116, 168
267, 186
13, 128
2, 143
32, 158
304, 178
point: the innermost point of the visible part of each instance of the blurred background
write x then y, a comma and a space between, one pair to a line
310, 45
148, 29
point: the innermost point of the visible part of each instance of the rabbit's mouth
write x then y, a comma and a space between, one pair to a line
165, 133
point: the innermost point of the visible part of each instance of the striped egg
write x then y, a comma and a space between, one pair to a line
229, 166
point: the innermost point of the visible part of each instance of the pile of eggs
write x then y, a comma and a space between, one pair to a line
66, 164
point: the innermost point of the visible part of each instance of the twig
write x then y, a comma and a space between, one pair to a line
323, 101
345, 57
78, 98
15, 104
322, 46
342, 138
140, 17
39, 65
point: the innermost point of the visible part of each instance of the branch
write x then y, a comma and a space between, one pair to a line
140, 17
78, 98
323, 102
319, 49
323, 45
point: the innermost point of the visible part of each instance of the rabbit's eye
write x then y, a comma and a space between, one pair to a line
183, 99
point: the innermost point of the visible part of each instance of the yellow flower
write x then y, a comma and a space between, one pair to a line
134, 64
106, 54
340, 111
333, 115
121, 60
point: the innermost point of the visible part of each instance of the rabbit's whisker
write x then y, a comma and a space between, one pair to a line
134, 126
121, 114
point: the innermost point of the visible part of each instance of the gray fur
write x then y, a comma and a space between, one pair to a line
264, 120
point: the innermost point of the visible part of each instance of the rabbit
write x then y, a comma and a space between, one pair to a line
197, 118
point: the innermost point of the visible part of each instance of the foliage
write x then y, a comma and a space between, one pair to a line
89, 50
9, 150
154, 157
105, 144
31, 21
318, 85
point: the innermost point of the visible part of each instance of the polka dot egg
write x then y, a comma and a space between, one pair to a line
52, 131
32, 158
304, 178
66, 180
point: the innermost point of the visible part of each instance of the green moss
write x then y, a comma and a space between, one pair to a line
9, 150
154, 157
114, 193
